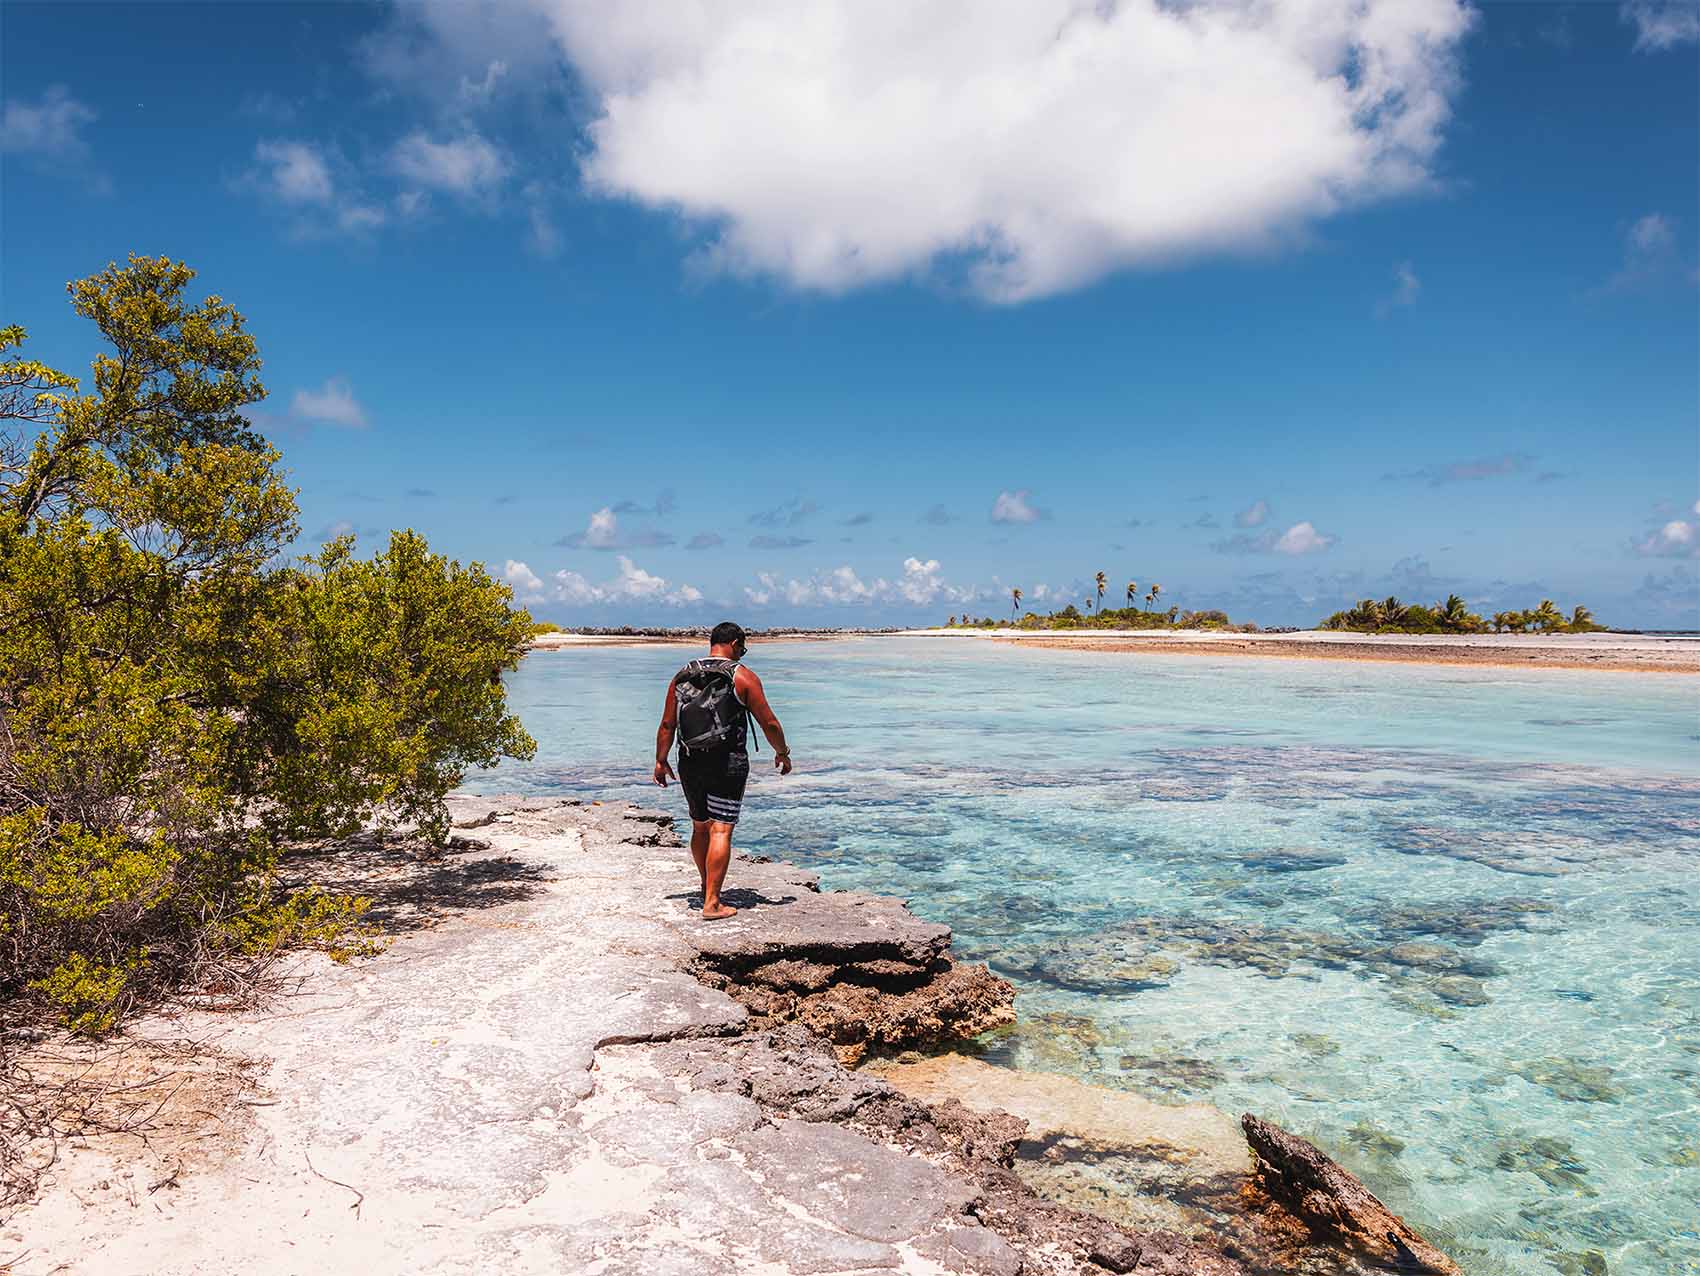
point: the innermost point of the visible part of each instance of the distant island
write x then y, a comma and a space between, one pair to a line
1390, 616
1098, 616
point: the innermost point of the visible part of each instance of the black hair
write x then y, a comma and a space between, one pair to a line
726, 633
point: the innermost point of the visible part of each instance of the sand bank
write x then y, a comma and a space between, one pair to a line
1630, 653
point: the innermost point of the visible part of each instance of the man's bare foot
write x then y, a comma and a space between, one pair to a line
719, 912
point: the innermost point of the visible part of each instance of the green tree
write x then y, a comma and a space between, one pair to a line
176, 699
1103, 583
1132, 592
1546, 616
1511, 621
1582, 620
1015, 603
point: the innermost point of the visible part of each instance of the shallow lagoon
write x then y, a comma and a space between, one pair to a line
1442, 921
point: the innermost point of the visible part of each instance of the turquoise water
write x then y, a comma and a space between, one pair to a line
1442, 921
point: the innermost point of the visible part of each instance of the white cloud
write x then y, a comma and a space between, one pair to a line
543, 237
920, 585
1014, 507
1649, 254
1662, 24
603, 530
1253, 515
836, 143
358, 217
295, 172
1406, 289
1301, 538
480, 92
632, 585
1676, 539
466, 165
331, 404
1651, 234
51, 126
526, 583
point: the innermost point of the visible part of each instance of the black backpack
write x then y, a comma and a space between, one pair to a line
710, 716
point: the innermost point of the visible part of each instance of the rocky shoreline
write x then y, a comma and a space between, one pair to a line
558, 1067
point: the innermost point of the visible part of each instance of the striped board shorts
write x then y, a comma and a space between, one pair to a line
714, 783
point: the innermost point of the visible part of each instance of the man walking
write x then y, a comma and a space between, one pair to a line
709, 706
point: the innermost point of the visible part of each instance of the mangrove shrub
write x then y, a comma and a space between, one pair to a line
178, 699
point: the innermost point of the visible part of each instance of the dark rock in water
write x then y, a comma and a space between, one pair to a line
1460, 990
1549, 1159
1589, 1262
1293, 859
1174, 1073
1105, 964
1315, 1043
1572, 1079
1294, 1175
1465, 921
1430, 956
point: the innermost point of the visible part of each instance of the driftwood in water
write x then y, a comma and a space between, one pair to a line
1334, 1204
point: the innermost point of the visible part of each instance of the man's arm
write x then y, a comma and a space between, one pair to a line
664, 736
755, 700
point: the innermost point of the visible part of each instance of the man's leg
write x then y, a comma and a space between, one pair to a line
714, 875
699, 852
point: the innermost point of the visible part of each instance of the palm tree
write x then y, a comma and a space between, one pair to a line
951, 623
1015, 603
1582, 619
1103, 583
1088, 602
1132, 592
1453, 613
1547, 615
1154, 595
1392, 611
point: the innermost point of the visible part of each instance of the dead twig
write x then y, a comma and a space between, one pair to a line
359, 1196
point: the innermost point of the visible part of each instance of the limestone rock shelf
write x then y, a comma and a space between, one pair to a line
557, 1066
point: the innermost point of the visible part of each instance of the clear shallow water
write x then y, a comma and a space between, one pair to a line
1444, 922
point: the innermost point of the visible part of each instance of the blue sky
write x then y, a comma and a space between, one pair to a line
857, 313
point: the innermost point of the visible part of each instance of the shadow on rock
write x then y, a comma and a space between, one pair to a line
413, 887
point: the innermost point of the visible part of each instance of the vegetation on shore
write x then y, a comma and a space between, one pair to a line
1097, 616
1390, 616
179, 700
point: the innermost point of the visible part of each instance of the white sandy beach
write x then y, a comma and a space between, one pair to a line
1649, 653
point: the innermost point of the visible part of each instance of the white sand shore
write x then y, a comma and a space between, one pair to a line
1653, 653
